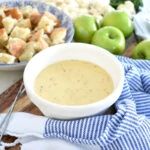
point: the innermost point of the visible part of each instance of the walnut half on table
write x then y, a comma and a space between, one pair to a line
25, 31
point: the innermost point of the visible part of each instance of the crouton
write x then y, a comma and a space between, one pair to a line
1, 24
47, 39
52, 17
26, 11
58, 35
14, 13
2, 15
40, 45
16, 46
3, 50
3, 36
25, 23
6, 58
2, 12
36, 35
22, 33
46, 24
35, 17
28, 52
9, 23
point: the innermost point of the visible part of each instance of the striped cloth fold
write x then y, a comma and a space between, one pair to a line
127, 129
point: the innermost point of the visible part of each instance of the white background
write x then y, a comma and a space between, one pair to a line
8, 78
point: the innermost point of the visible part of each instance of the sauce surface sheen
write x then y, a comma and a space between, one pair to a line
73, 82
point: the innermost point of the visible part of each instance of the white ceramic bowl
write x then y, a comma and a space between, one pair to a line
77, 51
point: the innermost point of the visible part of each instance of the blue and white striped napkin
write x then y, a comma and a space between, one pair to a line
127, 129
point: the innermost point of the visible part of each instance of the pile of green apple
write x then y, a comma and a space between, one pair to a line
111, 34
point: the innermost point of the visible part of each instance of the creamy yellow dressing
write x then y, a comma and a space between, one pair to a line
73, 82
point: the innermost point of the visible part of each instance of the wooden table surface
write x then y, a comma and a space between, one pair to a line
22, 105
25, 105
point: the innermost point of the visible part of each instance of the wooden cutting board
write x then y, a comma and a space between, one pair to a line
22, 105
25, 105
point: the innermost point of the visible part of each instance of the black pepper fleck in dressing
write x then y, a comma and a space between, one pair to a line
73, 82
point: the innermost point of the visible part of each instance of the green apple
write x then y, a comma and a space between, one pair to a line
120, 20
110, 38
85, 26
142, 50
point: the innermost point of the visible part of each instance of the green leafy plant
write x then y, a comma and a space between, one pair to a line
137, 3
115, 3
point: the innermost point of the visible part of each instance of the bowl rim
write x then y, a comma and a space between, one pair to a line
22, 65
101, 102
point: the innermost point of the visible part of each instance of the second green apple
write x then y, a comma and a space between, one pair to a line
110, 38
142, 50
85, 27
120, 20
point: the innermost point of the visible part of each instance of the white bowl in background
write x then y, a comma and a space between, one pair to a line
77, 51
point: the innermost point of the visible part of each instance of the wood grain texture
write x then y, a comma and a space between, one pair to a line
25, 105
